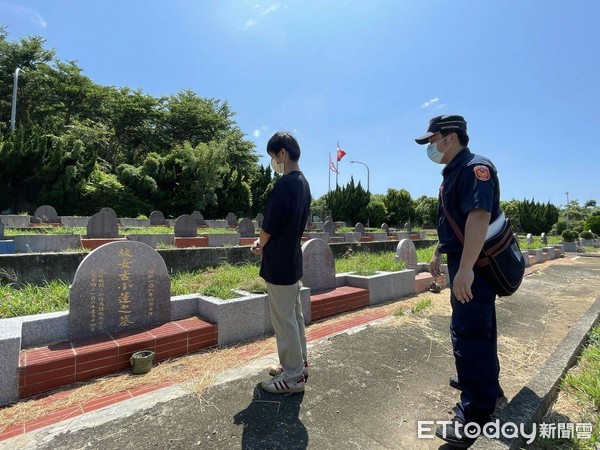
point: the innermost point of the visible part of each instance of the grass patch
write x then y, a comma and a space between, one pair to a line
581, 385
122, 231
368, 263
29, 299
220, 281
421, 305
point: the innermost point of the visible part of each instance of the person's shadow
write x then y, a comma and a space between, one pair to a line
271, 421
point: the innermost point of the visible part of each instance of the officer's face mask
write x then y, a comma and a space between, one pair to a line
433, 153
278, 167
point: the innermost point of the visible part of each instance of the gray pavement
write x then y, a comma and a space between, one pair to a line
368, 387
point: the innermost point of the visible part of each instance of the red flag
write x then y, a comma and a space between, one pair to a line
332, 166
340, 153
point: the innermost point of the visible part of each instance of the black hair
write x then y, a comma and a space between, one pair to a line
463, 137
284, 139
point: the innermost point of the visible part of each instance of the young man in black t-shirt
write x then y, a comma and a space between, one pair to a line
279, 245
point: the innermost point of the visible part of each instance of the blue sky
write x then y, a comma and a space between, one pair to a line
369, 74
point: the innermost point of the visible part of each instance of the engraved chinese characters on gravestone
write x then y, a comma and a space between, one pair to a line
119, 286
318, 266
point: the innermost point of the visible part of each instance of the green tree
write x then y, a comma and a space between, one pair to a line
400, 206
426, 209
376, 210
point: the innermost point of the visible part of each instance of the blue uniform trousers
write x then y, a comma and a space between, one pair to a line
474, 341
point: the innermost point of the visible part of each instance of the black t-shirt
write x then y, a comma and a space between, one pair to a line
470, 182
285, 219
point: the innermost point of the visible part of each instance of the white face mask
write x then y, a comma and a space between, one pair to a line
433, 153
277, 167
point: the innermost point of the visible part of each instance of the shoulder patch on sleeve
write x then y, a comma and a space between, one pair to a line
482, 173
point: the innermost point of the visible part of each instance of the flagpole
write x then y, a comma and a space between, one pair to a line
329, 170
337, 162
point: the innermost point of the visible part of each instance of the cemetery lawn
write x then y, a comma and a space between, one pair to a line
367, 263
122, 231
578, 400
537, 242
220, 282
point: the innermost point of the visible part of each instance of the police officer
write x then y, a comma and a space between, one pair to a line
469, 200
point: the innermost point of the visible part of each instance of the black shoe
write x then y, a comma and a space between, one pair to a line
454, 434
454, 382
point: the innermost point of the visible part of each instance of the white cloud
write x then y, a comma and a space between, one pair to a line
270, 9
29, 13
250, 23
256, 133
430, 102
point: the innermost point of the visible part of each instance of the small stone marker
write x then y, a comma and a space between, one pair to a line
109, 211
544, 239
102, 225
246, 228
199, 218
119, 286
359, 228
157, 218
47, 214
385, 227
408, 226
185, 226
259, 219
318, 266
406, 252
231, 220
529, 238
329, 227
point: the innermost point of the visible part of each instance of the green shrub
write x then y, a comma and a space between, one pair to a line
593, 224
569, 236
586, 235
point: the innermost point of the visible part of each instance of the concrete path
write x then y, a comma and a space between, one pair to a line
368, 386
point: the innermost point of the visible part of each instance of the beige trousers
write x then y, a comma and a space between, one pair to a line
288, 323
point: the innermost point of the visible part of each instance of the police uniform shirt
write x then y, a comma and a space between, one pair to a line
285, 219
470, 182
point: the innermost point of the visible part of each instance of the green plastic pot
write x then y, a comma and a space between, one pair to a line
141, 362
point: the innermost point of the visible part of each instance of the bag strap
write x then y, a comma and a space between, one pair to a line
481, 261
453, 224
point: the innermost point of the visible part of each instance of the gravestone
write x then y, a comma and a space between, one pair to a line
385, 227
246, 228
47, 214
529, 238
119, 286
157, 218
231, 220
199, 218
1, 229
318, 266
109, 211
329, 227
359, 228
408, 226
259, 219
102, 225
185, 226
544, 239
407, 253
